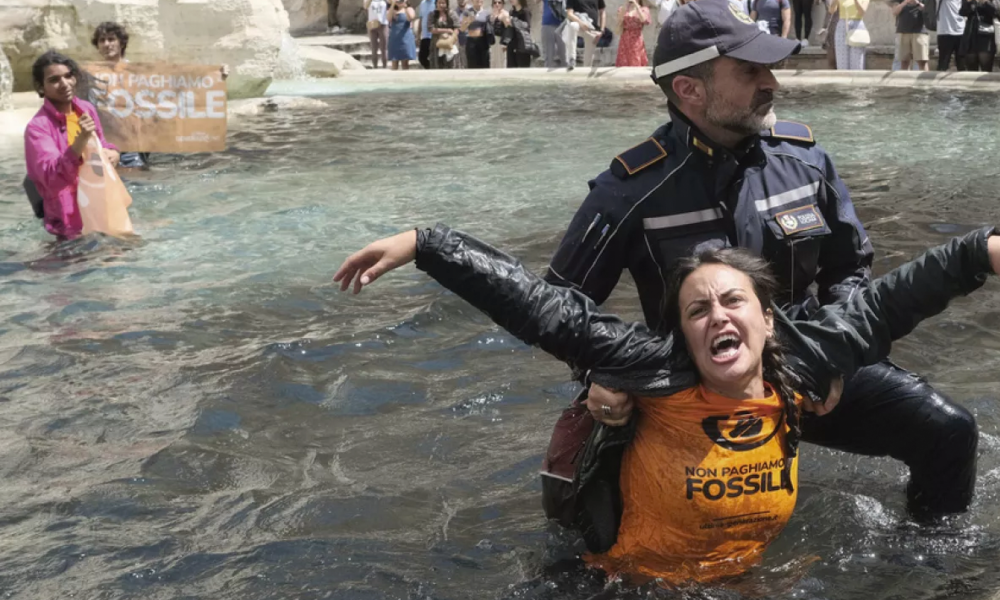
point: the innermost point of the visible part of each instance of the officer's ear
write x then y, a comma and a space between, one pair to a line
689, 90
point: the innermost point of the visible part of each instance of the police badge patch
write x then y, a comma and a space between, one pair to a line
799, 219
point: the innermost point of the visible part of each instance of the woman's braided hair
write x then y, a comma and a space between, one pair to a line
776, 370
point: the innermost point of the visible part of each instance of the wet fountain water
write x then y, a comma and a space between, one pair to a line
201, 415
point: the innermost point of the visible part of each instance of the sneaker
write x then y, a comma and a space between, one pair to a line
336, 30
805, 43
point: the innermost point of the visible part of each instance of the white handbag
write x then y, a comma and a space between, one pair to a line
857, 34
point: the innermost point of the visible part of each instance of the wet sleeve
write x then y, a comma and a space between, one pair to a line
561, 321
593, 252
846, 256
843, 337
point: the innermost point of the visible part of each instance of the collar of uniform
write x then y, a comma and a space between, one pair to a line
698, 142
690, 136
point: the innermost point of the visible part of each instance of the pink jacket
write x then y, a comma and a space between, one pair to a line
55, 168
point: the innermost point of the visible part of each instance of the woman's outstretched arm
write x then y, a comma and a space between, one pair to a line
560, 321
836, 341
860, 330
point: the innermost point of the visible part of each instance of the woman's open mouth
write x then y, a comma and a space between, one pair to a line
725, 347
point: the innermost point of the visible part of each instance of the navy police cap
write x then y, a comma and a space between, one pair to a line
704, 29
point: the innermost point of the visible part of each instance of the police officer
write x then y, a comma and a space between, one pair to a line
724, 171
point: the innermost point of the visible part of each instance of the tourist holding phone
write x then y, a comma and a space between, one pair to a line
402, 46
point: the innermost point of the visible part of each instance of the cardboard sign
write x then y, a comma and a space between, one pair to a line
154, 107
101, 195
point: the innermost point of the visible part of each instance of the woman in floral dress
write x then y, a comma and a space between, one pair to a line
631, 19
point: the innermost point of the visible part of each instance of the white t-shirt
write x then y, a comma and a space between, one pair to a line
664, 8
949, 22
377, 10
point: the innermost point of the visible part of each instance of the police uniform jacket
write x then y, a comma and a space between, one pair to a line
779, 196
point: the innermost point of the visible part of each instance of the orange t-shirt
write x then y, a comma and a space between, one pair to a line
702, 487
72, 126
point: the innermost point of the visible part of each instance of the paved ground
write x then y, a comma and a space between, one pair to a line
332, 41
971, 81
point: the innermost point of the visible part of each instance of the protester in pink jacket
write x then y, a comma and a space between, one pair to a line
53, 161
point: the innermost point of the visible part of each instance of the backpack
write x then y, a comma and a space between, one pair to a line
518, 36
35, 198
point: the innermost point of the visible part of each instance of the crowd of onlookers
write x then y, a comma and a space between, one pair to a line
441, 35
966, 30
448, 34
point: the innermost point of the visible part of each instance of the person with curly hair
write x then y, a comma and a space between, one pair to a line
111, 40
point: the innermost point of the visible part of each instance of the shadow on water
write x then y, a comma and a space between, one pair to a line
199, 414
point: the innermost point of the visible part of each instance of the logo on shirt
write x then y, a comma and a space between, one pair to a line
740, 432
741, 16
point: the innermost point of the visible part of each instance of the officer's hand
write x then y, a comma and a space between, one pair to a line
619, 405
832, 399
375, 259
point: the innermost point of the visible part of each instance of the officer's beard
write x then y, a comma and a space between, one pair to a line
743, 120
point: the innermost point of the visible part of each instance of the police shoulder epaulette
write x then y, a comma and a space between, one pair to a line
637, 158
795, 132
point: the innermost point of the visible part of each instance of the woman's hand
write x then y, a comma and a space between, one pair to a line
87, 129
993, 248
114, 157
608, 406
376, 259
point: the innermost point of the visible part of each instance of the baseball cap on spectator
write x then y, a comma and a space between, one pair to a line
704, 29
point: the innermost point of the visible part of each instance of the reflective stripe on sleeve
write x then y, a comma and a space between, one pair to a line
788, 197
682, 219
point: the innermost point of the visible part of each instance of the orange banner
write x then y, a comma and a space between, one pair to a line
154, 107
